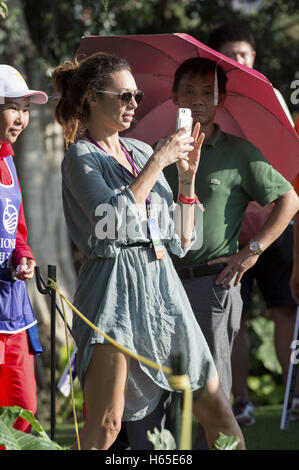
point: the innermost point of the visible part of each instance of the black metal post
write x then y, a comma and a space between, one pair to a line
176, 403
52, 292
57, 308
52, 275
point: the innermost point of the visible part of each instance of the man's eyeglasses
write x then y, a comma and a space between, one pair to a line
126, 96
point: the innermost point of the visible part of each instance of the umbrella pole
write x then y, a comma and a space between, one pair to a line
290, 386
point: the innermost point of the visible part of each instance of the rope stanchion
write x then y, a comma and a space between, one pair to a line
176, 381
182, 382
182, 418
49, 290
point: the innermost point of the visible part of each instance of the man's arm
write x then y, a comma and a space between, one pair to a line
285, 207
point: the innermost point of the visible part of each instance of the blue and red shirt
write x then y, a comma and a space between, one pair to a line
15, 309
21, 248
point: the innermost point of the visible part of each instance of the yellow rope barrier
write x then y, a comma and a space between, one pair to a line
177, 382
182, 382
146, 361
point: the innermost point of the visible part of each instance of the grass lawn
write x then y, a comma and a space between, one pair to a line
265, 434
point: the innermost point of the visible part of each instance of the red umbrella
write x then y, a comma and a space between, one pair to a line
251, 109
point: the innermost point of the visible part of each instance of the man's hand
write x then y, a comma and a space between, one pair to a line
236, 264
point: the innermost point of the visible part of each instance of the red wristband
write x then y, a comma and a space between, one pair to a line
186, 200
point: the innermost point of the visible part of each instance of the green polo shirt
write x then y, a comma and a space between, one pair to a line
232, 172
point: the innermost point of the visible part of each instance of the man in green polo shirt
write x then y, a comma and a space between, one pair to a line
232, 172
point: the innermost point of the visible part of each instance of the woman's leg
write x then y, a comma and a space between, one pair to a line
213, 411
104, 393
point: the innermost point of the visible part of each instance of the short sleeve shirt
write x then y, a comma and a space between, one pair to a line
232, 172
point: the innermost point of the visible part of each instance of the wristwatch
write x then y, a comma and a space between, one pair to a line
255, 248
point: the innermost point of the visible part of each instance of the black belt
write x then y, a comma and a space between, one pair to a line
191, 272
144, 244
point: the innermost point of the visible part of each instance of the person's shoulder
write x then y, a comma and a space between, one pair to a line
240, 144
81, 154
80, 147
236, 140
83, 151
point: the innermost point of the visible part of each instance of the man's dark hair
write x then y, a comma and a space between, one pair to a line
230, 33
199, 66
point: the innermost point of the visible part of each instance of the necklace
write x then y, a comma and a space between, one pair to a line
129, 159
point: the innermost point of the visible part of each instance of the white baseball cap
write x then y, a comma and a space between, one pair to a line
13, 85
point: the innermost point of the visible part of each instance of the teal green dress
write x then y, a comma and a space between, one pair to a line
125, 291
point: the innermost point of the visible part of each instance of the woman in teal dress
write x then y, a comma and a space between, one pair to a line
120, 213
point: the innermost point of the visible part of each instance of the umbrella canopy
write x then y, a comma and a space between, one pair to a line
251, 109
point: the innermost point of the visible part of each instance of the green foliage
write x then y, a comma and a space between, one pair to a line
265, 352
275, 25
56, 28
13, 439
265, 380
161, 440
266, 389
10, 35
3, 10
226, 442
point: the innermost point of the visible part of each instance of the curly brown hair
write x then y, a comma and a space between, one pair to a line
73, 79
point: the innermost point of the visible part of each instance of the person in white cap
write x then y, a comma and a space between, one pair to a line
18, 327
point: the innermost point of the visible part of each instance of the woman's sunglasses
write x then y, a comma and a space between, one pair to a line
126, 96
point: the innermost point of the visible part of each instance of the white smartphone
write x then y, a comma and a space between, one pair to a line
184, 118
